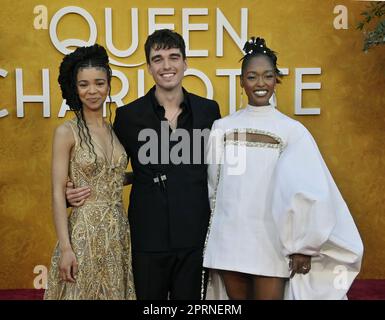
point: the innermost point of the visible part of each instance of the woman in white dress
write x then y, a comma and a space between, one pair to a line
276, 211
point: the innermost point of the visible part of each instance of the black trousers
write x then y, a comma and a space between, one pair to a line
174, 275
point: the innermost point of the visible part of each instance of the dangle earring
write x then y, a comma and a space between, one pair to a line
273, 100
104, 109
105, 104
241, 101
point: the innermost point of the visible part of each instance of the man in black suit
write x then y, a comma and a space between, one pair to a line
169, 208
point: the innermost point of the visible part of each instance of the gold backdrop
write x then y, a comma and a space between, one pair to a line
349, 130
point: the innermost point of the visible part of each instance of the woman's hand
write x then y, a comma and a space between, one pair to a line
299, 263
68, 266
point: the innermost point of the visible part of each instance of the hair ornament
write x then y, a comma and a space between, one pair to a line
255, 46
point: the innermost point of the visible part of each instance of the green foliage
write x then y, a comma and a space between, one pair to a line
374, 14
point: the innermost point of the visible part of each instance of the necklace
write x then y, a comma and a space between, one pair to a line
171, 122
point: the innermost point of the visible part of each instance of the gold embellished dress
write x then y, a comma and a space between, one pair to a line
99, 230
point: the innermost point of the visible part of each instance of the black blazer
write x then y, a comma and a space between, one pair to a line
176, 215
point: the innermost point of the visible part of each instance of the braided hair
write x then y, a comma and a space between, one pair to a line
94, 56
257, 47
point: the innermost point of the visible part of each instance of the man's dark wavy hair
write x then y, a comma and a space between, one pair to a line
164, 39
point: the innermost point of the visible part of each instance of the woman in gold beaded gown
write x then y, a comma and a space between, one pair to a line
92, 259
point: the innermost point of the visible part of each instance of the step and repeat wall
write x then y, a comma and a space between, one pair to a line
330, 85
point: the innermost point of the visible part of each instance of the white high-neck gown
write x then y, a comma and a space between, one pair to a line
270, 200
